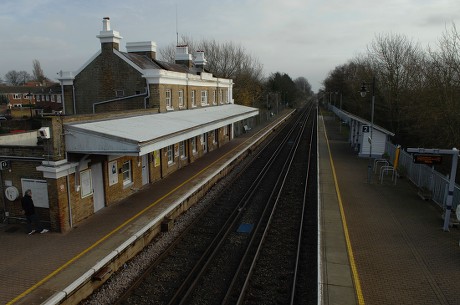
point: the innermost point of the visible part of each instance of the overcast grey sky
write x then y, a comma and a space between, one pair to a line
306, 38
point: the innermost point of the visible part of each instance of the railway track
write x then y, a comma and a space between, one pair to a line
220, 257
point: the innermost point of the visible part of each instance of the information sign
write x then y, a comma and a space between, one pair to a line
428, 159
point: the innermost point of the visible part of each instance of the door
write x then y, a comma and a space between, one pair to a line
98, 186
145, 169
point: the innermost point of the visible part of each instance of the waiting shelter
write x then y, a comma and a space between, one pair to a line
360, 134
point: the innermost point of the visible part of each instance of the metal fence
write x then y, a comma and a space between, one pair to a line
424, 177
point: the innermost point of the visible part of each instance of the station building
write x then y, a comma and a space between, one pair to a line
127, 120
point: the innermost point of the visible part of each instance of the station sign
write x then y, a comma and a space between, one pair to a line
428, 159
4, 164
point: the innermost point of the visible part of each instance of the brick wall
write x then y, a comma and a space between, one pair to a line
100, 80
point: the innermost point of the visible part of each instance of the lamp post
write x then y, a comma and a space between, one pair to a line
29, 96
363, 92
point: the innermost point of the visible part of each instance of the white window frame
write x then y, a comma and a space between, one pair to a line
193, 141
126, 173
204, 97
16, 96
168, 99
193, 99
214, 97
170, 154
221, 91
181, 98
182, 150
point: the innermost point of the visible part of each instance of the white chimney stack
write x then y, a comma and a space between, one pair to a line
182, 56
108, 36
200, 60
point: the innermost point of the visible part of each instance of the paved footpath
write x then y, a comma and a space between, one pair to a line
401, 253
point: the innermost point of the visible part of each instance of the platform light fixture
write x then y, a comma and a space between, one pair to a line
363, 93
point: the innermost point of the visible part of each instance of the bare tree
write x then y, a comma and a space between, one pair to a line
226, 60
394, 59
12, 78
37, 71
442, 91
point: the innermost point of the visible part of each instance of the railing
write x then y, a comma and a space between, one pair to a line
424, 177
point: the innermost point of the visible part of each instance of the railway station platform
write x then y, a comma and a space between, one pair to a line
380, 243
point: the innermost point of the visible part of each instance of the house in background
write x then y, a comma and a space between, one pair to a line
127, 120
40, 98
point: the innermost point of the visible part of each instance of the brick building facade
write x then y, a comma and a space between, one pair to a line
128, 120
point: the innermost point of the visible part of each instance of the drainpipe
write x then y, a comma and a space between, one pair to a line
69, 202
73, 96
147, 97
62, 97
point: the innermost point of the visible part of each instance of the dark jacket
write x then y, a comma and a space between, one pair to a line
28, 205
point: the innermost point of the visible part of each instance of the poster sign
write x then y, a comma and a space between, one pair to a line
86, 183
156, 158
113, 173
39, 190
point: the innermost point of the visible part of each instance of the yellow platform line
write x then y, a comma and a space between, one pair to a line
351, 257
65, 265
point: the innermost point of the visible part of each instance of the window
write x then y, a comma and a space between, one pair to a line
193, 99
193, 141
204, 97
221, 101
181, 98
214, 97
126, 171
119, 93
182, 151
58, 98
170, 154
168, 99
226, 128
16, 96
216, 135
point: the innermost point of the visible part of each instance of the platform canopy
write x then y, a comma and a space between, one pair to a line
142, 134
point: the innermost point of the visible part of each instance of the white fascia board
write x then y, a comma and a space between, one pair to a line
66, 78
77, 142
129, 62
88, 62
171, 140
160, 76
58, 170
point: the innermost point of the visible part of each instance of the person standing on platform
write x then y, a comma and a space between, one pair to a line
31, 216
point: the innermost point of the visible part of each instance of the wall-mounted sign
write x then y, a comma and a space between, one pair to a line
11, 193
428, 159
113, 173
366, 128
4, 164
